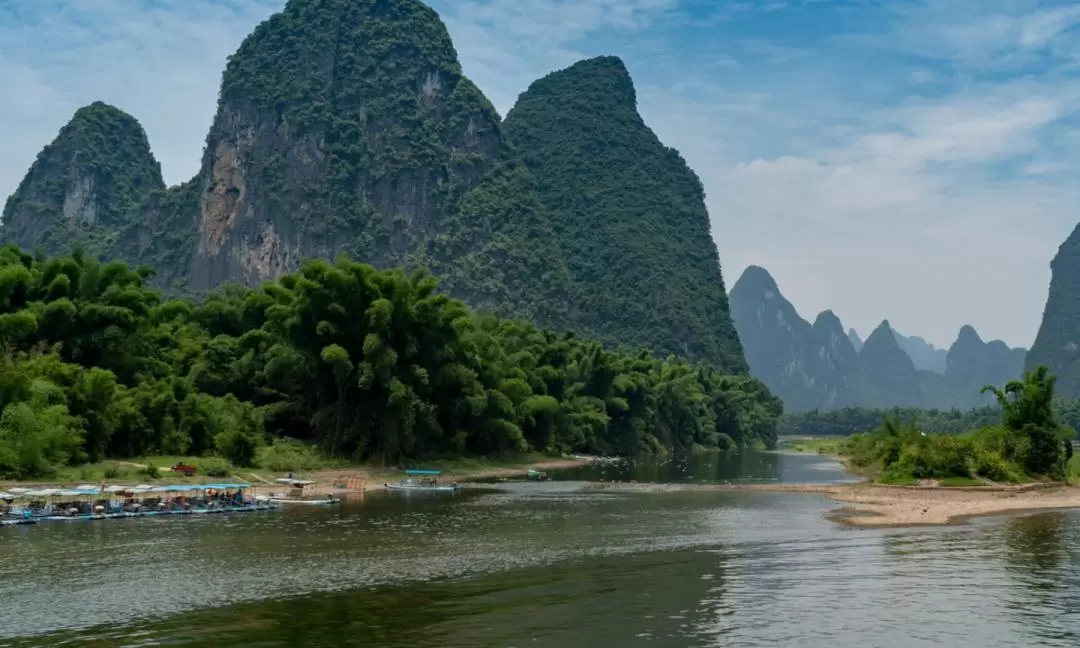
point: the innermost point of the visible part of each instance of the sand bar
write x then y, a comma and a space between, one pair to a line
870, 505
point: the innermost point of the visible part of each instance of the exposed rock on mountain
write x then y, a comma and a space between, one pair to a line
85, 185
346, 126
628, 212
1057, 344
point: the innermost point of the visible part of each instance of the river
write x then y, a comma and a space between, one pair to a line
549, 564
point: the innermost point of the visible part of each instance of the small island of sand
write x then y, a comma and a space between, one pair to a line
870, 505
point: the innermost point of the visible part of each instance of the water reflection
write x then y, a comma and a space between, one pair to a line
1043, 575
544, 565
712, 467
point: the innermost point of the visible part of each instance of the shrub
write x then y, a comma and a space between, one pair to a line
150, 471
213, 467
239, 446
286, 455
111, 472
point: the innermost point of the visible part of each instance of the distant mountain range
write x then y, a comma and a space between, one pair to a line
820, 366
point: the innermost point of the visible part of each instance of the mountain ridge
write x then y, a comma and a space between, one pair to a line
877, 373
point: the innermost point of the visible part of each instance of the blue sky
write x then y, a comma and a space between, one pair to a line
909, 160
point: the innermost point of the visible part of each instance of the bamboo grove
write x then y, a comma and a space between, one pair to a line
367, 364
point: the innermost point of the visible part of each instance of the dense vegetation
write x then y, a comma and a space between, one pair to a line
853, 420
367, 364
86, 185
628, 213
1029, 442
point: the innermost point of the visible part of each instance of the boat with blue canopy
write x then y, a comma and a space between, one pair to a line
89, 502
428, 481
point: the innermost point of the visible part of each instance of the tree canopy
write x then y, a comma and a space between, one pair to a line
368, 364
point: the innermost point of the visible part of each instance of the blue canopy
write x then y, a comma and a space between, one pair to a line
423, 472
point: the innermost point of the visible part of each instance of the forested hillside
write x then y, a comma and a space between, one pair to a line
347, 126
628, 213
367, 364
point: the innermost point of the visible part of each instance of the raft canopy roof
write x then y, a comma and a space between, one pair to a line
423, 472
294, 482
13, 493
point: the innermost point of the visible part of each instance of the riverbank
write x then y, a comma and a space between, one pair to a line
330, 481
871, 505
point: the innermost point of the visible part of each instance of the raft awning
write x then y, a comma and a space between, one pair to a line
294, 482
423, 472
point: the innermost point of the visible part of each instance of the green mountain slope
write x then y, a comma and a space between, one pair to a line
1057, 344
86, 185
628, 213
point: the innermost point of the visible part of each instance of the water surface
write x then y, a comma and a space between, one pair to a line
544, 564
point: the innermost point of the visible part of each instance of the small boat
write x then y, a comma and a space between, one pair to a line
428, 482
536, 475
297, 494
91, 503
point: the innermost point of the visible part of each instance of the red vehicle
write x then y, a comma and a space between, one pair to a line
184, 468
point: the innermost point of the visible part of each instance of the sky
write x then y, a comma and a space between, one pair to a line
910, 160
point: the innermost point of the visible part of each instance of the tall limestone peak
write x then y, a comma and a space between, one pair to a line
794, 359
342, 126
1057, 344
830, 333
757, 279
884, 375
629, 214
973, 363
85, 185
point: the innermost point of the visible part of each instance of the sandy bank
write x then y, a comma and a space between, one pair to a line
868, 505
337, 481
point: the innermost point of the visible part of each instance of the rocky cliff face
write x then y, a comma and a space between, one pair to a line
86, 185
1057, 344
342, 126
628, 212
